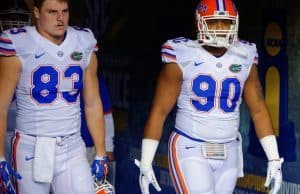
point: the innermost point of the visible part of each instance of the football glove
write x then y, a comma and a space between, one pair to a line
274, 173
6, 173
146, 177
100, 167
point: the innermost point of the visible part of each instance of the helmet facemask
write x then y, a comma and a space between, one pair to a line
103, 187
14, 18
215, 37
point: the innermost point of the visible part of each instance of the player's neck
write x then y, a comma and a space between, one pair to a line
54, 39
216, 51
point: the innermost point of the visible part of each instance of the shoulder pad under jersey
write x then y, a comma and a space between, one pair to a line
21, 42
250, 49
178, 50
86, 38
11, 41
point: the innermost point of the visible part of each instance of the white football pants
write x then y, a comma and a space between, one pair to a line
193, 174
72, 173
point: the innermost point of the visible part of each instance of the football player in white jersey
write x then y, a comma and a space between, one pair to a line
208, 78
47, 66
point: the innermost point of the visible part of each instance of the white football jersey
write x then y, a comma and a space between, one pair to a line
211, 93
51, 79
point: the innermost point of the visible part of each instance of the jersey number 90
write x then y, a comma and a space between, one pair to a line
210, 93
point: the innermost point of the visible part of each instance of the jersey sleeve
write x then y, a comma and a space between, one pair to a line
177, 50
93, 46
168, 52
255, 57
251, 50
6, 45
86, 40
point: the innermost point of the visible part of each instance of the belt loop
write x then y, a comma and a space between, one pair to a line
59, 141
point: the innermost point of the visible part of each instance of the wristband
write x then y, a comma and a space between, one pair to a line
101, 157
149, 147
269, 145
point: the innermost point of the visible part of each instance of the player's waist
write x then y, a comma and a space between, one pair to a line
207, 128
199, 139
215, 115
59, 139
48, 127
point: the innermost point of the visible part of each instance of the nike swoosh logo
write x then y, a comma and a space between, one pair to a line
38, 55
197, 64
189, 147
28, 158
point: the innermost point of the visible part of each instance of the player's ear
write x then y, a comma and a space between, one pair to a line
36, 12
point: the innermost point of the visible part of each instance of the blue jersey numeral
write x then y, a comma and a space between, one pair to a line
80, 29
45, 81
77, 84
211, 93
180, 39
204, 87
230, 94
17, 30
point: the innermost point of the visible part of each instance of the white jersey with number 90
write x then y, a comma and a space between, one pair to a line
210, 96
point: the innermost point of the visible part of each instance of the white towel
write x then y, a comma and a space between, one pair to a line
240, 155
43, 164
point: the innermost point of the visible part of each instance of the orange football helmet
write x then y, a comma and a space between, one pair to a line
214, 10
103, 187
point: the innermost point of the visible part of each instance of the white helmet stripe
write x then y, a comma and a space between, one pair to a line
221, 5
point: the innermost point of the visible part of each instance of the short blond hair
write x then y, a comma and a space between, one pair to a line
39, 3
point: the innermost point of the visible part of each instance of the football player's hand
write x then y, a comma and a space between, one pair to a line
6, 173
147, 176
274, 174
100, 167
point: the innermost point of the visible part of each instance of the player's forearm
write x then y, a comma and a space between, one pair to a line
265, 133
152, 134
2, 132
262, 123
99, 144
96, 126
166, 94
154, 127
158, 114
2, 140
